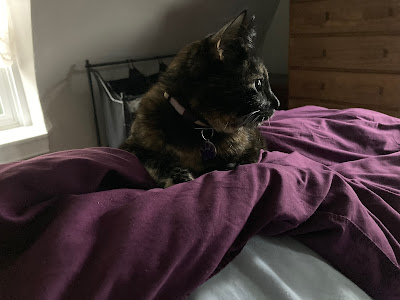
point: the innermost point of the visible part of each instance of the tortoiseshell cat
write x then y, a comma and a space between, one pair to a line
203, 113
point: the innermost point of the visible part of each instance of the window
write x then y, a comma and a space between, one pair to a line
23, 132
8, 96
12, 113
1, 108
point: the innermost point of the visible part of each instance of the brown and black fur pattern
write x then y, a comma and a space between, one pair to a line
221, 80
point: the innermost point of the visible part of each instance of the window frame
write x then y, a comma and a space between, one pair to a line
28, 136
13, 100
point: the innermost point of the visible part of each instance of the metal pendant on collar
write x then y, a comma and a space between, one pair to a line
208, 150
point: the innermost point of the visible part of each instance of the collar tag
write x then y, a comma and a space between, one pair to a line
208, 150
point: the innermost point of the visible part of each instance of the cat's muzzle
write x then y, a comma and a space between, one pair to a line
274, 101
269, 106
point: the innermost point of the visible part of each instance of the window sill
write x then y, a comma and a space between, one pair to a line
22, 142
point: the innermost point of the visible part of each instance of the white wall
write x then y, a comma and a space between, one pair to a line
66, 32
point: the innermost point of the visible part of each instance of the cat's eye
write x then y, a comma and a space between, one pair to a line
258, 84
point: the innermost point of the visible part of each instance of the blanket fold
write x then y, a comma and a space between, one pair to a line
88, 223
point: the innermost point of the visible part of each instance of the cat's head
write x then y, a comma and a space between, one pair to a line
221, 79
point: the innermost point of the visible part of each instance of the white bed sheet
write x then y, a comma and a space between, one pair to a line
278, 268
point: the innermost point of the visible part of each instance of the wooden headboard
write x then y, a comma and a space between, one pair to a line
345, 53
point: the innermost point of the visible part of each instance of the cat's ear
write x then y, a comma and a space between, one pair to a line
239, 27
250, 23
231, 29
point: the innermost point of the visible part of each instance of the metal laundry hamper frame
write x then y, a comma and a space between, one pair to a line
111, 123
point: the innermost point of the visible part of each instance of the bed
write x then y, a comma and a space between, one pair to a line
278, 268
317, 218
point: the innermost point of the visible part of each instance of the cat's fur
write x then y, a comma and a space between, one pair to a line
220, 79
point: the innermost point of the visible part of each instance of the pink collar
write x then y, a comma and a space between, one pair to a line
185, 113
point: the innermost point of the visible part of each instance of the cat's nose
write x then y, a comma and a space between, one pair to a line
274, 101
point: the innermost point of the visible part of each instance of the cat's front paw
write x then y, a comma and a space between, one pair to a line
231, 166
178, 175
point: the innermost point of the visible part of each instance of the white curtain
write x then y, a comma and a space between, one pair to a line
5, 46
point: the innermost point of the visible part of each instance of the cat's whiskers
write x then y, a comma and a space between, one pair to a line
249, 117
250, 121
254, 119
226, 125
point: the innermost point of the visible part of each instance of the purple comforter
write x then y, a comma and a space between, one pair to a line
85, 224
